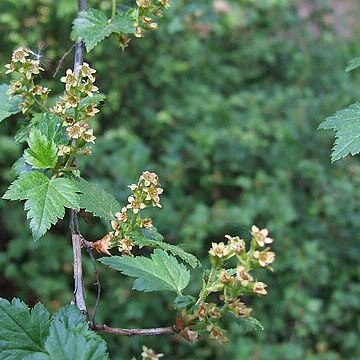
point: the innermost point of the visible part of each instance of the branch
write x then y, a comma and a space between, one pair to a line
133, 332
79, 297
79, 46
76, 238
88, 245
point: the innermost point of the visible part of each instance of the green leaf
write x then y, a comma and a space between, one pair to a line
152, 234
346, 124
150, 237
353, 64
94, 199
93, 100
42, 152
93, 26
20, 166
8, 105
50, 125
70, 338
22, 133
249, 324
31, 335
46, 199
183, 301
161, 272
25, 127
22, 331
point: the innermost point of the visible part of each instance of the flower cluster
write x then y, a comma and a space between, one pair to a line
149, 354
148, 10
27, 67
146, 193
145, 18
232, 282
77, 105
256, 257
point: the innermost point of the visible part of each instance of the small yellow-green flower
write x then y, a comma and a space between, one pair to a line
10, 68
15, 87
153, 195
76, 130
88, 136
30, 68
143, 3
91, 110
135, 205
224, 277
261, 236
69, 79
89, 88
20, 54
259, 288
126, 246
146, 223
237, 244
122, 216
86, 70
63, 150
216, 333
264, 257
238, 308
149, 178
219, 250
243, 276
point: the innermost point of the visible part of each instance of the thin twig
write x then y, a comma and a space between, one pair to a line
133, 332
88, 246
62, 60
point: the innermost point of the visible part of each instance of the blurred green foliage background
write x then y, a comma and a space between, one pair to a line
223, 102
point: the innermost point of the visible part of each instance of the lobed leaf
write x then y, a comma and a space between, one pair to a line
20, 166
150, 237
50, 125
346, 124
93, 26
46, 199
94, 199
42, 153
22, 331
32, 335
161, 272
25, 127
70, 338
8, 105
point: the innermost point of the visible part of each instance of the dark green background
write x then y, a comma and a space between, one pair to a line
225, 108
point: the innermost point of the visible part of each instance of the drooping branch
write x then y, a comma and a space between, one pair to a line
170, 330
